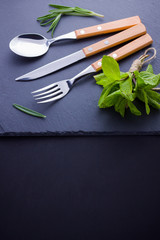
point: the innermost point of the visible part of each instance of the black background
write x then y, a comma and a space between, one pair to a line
80, 187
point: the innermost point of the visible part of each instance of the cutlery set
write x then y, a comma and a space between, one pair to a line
33, 45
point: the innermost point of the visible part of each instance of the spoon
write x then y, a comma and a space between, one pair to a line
34, 45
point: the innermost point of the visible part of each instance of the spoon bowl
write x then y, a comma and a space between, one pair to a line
29, 45
34, 45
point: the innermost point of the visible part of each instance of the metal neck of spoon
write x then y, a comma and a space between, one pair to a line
70, 35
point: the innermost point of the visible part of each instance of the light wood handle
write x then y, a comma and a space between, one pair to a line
107, 27
127, 50
117, 39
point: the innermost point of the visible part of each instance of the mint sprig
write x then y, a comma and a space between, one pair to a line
120, 90
56, 14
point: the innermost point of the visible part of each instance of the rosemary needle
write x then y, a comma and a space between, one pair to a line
28, 111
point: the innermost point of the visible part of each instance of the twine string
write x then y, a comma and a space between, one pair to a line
138, 63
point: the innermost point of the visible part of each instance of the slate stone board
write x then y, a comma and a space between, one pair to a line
77, 113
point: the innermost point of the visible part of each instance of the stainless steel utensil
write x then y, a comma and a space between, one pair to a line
59, 89
107, 43
34, 45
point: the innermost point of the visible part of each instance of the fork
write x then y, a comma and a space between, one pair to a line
60, 89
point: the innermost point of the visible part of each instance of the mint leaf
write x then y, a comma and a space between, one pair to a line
149, 68
110, 100
147, 80
125, 75
154, 95
153, 98
126, 86
133, 108
120, 105
104, 94
131, 97
140, 95
153, 103
146, 101
99, 76
110, 68
101, 79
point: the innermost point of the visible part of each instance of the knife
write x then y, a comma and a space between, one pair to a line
100, 46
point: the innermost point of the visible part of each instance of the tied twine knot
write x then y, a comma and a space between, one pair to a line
138, 63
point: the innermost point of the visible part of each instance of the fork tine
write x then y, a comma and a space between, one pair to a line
49, 91
52, 99
51, 95
45, 88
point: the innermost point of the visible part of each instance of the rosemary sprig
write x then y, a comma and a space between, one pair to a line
55, 15
28, 111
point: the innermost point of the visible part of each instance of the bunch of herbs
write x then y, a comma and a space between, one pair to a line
121, 89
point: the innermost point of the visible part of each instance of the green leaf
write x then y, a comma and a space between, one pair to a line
121, 73
58, 6
104, 94
133, 108
28, 111
154, 95
59, 10
54, 24
140, 95
81, 10
131, 97
126, 86
149, 68
47, 17
46, 23
126, 75
126, 89
120, 105
101, 79
77, 14
153, 103
146, 101
110, 68
87, 12
55, 11
147, 80
76, 11
109, 100
151, 98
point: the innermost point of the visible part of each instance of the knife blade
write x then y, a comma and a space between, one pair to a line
107, 43
53, 66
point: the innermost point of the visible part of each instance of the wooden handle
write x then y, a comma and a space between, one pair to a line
127, 50
117, 39
107, 27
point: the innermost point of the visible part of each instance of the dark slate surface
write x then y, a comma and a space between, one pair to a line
77, 113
